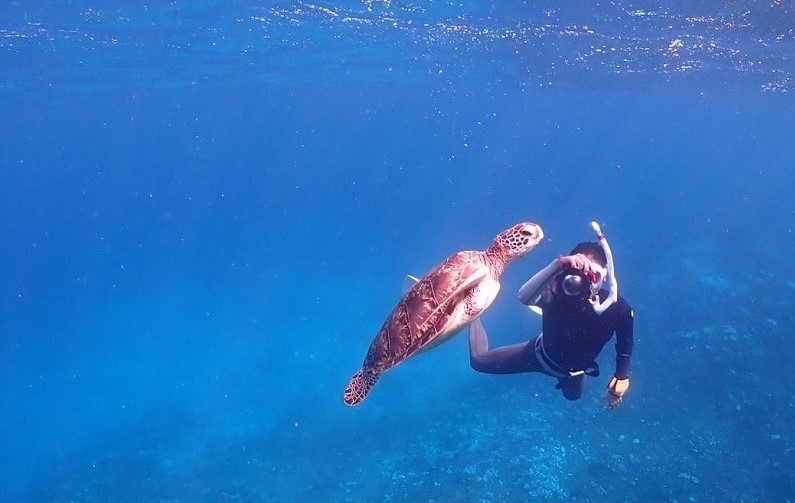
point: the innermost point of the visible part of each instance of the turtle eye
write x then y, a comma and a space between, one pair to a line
525, 232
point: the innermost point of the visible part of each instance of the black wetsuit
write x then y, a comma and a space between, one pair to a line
573, 335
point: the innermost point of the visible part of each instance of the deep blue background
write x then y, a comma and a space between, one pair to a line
197, 248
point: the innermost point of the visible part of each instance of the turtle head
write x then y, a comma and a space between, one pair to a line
518, 240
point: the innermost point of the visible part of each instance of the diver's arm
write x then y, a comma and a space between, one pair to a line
529, 292
624, 341
619, 384
622, 366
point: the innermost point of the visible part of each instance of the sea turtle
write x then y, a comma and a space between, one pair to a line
440, 304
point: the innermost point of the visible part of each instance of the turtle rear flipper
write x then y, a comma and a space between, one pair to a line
359, 387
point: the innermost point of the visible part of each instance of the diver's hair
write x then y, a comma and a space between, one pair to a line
591, 250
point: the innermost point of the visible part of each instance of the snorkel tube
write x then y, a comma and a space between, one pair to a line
610, 280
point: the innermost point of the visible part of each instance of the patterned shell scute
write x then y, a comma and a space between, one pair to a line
418, 319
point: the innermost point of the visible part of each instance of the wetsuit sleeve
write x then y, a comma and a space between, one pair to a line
530, 293
624, 340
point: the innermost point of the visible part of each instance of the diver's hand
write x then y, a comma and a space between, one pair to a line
577, 261
615, 392
580, 262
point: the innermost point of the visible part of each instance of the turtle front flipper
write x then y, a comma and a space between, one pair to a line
359, 387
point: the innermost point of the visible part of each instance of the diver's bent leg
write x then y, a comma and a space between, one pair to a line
505, 360
478, 340
573, 387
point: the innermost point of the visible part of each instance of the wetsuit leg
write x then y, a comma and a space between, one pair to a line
572, 387
512, 359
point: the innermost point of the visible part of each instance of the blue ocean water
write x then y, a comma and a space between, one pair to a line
208, 208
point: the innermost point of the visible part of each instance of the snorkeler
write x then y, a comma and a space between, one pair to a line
577, 296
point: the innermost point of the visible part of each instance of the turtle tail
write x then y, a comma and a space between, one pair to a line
359, 386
